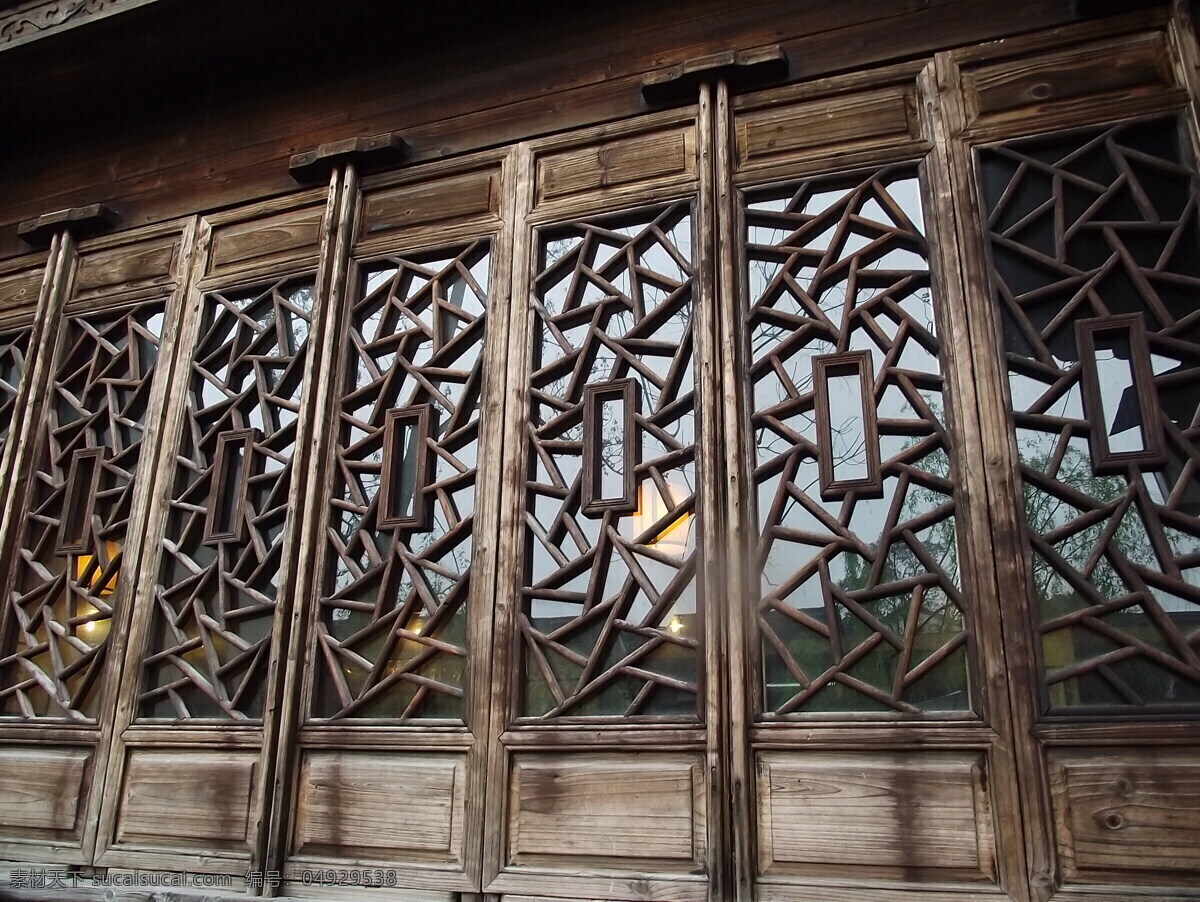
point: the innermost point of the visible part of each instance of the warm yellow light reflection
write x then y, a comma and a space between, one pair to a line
652, 508
89, 576
676, 625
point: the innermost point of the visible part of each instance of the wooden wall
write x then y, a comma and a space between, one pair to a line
183, 107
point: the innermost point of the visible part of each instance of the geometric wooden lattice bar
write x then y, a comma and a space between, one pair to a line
67, 575
391, 628
1096, 276
860, 608
218, 577
14, 346
610, 624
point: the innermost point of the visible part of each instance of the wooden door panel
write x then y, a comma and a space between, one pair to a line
875, 752
76, 530
599, 780
394, 649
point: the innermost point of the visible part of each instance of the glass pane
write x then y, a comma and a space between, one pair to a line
1113, 542
847, 429
612, 448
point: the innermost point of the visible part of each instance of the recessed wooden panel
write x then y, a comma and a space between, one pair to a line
427, 203
287, 236
19, 291
1139, 66
180, 797
607, 807
41, 789
127, 266
381, 805
824, 811
633, 159
775, 134
1138, 810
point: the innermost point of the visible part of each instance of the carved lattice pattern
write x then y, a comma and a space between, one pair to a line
860, 607
392, 627
610, 622
61, 602
215, 602
1091, 232
14, 346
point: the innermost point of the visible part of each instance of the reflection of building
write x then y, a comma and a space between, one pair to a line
694, 451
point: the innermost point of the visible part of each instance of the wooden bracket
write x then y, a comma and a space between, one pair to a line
79, 221
374, 153
744, 70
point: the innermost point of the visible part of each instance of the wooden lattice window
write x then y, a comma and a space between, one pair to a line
215, 597
392, 624
1096, 273
610, 622
860, 607
68, 567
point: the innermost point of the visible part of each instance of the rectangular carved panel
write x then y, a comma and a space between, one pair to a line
127, 266
1010, 89
182, 797
389, 806
41, 790
1137, 811
287, 236
623, 161
583, 810
822, 811
430, 202
792, 132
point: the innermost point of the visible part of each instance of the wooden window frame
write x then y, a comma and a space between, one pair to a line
422, 515
824, 366
592, 501
219, 486
73, 488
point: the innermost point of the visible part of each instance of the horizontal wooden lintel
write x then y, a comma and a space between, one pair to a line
743, 70
373, 153
79, 221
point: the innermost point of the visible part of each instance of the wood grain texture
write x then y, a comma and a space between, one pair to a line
1133, 66
574, 809
42, 790
424, 203
1136, 812
820, 127
187, 798
294, 234
637, 158
391, 806
127, 266
912, 810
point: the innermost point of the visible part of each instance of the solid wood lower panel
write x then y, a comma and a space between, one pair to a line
605, 825
42, 791
188, 800
607, 807
360, 806
912, 816
1131, 813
